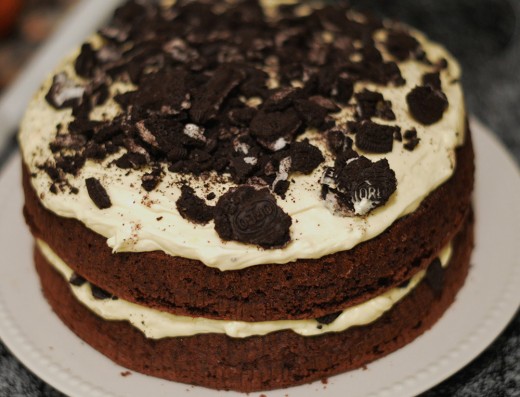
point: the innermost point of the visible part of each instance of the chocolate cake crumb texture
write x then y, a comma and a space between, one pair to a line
97, 193
196, 71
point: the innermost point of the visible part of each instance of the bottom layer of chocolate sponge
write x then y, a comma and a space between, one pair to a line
280, 359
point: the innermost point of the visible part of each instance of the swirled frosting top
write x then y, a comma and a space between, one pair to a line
240, 134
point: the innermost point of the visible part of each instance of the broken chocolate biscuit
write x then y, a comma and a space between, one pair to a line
328, 318
100, 293
305, 157
252, 216
97, 193
360, 185
64, 92
427, 105
193, 208
435, 277
374, 138
372, 104
77, 280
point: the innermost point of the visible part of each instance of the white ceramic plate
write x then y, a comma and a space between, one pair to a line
483, 307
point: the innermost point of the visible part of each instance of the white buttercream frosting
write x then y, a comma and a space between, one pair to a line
156, 324
141, 221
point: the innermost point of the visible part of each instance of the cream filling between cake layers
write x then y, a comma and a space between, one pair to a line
156, 324
140, 221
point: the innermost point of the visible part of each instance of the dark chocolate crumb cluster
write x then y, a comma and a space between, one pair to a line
204, 101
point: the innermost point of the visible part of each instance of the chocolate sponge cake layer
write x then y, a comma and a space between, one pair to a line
275, 360
300, 289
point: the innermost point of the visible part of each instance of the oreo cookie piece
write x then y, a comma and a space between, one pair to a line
328, 318
435, 277
305, 157
360, 185
344, 90
281, 99
131, 161
193, 208
374, 138
64, 92
268, 127
150, 180
411, 139
252, 216
97, 193
427, 105
433, 80
77, 280
209, 97
86, 62
401, 45
163, 92
100, 293
373, 104
241, 117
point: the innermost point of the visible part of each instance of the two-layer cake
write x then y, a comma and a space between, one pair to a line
244, 196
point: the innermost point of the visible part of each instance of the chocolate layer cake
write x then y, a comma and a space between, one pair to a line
249, 196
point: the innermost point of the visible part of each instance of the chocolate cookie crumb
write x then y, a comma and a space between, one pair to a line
305, 157
328, 318
100, 293
193, 208
77, 280
374, 138
97, 193
64, 92
435, 277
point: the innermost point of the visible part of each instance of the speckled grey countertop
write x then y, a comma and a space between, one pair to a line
485, 36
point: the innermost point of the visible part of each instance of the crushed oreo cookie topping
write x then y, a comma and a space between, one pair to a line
226, 90
374, 138
426, 104
372, 104
100, 293
97, 193
359, 185
77, 280
193, 208
252, 216
435, 277
328, 318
